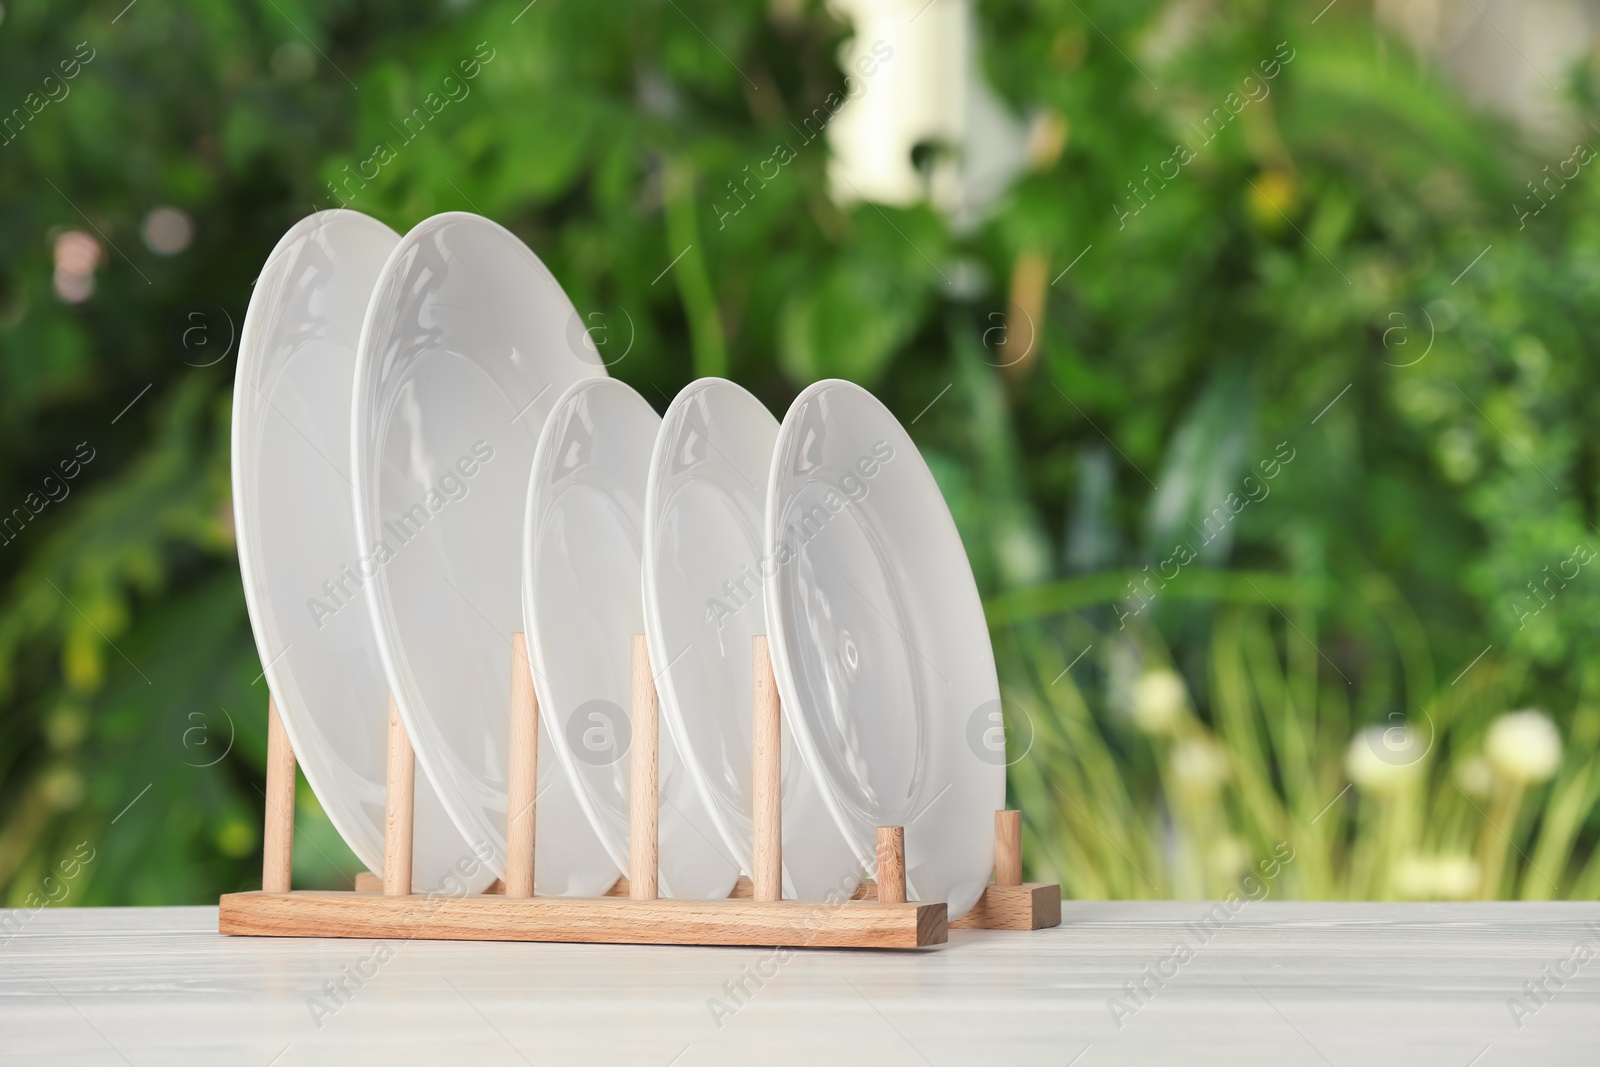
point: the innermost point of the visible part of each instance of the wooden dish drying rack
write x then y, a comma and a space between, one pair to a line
755, 914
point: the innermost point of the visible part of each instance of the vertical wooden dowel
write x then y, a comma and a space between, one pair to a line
891, 865
277, 836
399, 808
766, 779
644, 809
1008, 848
522, 780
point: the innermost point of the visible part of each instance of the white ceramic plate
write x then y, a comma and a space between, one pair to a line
463, 353
704, 594
879, 643
581, 595
297, 536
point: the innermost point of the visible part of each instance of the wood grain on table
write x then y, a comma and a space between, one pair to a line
1117, 983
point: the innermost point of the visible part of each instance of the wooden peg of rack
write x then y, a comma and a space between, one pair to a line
1010, 903
277, 835
1008, 848
399, 807
766, 737
522, 782
891, 865
644, 809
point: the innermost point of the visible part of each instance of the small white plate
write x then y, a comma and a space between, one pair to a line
298, 551
879, 643
467, 343
704, 579
581, 596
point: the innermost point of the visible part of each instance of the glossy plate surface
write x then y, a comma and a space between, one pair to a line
704, 595
581, 572
467, 344
297, 536
879, 642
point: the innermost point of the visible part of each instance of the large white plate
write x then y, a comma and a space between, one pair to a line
581, 595
879, 643
297, 540
704, 594
466, 346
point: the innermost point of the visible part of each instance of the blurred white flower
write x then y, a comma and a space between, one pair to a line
1523, 746
1199, 767
168, 230
1449, 876
73, 288
1384, 760
1475, 776
62, 788
1413, 877
1230, 858
1456, 877
77, 252
76, 257
1158, 701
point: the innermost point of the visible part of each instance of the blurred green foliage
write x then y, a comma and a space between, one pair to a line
1341, 270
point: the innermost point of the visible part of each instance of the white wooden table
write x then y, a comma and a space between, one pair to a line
1277, 983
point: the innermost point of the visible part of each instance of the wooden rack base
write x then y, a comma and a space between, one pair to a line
604, 920
877, 916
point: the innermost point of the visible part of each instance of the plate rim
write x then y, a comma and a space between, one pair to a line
654, 635
276, 666
396, 665
538, 665
782, 664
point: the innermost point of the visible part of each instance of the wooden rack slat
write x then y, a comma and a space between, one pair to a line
604, 920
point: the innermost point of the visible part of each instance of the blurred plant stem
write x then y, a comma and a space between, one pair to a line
689, 271
1106, 587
